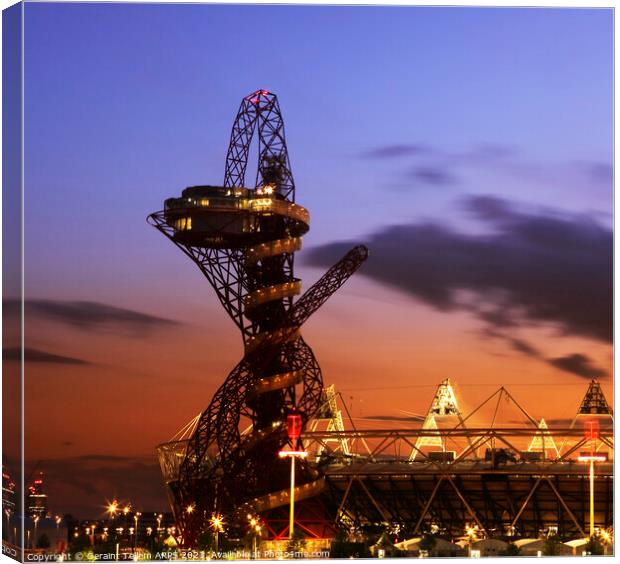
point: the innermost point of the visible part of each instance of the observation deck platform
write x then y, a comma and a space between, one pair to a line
220, 217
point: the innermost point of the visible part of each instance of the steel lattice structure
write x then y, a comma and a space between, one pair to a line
504, 496
244, 240
508, 482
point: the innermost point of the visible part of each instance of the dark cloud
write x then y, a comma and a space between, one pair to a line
533, 267
489, 209
489, 151
36, 355
495, 316
90, 315
435, 166
433, 175
575, 363
578, 364
524, 347
393, 151
480, 153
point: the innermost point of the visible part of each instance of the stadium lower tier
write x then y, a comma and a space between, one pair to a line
519, 499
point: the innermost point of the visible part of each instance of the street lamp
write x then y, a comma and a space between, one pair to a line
471, 533
112, 510
135, 518
36, 521
159, 517
125, 511
292, 454
255, 531
58, 520
592, 457
217, 524
8, 522
605, 539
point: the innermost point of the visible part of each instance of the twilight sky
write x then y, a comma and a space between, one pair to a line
470, 149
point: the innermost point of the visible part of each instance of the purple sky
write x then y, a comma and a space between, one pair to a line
396, 118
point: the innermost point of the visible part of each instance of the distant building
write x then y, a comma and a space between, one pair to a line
8, 502
8, 493
36, 500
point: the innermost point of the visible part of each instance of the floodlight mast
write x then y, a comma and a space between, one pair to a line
244, 241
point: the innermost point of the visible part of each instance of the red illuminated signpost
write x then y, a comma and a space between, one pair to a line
293, 428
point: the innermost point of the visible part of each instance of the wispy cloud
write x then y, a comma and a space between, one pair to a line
396, 151
36, 355
483, 152
420, 163
433, 175
424, 165
524, 347
577, 364
87, 315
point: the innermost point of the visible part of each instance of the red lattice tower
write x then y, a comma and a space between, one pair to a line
244, 240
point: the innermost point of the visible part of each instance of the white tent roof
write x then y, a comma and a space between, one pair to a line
525, 542
576, 542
